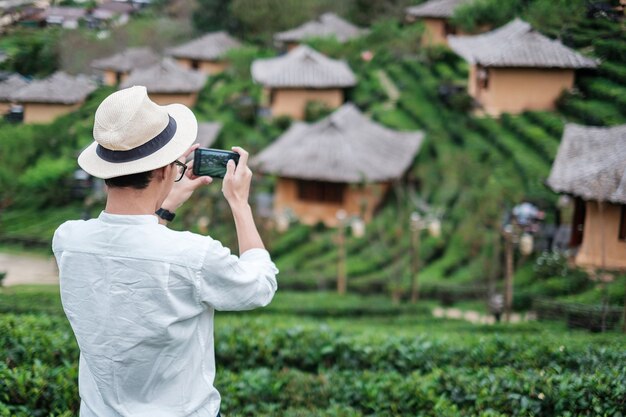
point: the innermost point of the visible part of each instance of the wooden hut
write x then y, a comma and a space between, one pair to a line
168, 83
325, 26
344, 161
64, 16
301, 76
117, 67
515, 68
208, 133
8, 88
591, 166
436, 15
45, 100
207, 53
110, 13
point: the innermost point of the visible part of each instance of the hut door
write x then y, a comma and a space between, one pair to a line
578, 222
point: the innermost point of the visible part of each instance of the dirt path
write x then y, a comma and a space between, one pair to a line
476, 317
28, 269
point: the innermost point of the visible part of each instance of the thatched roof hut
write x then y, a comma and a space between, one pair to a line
208, 133
326, 25
210, 47
58, 88
127, 60
166, 77
59, 94
167, 82
591, 163
346, 147
10, 86
591, 166
302, 67
435, 8
344, 162
515, 68
65, 16
517, 44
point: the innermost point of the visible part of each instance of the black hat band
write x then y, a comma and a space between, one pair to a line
148, 148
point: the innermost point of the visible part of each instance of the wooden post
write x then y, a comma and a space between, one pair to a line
341, 261
415, 264
508, 289
624, 318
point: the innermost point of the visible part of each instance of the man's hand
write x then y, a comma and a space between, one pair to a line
183, 189
236, 184
236, 189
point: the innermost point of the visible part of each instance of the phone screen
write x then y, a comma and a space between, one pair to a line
212, 162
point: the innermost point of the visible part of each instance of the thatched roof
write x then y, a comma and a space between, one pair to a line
443, 9
58, 88
302, 67
516, 44
327, 25
207, 133
591, 163
127, 60
209, 47
343, 147
65, 12
117, 7
10, 86
166, 77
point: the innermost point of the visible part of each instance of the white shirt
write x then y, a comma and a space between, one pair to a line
140, 298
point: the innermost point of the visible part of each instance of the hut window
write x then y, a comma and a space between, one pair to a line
195, 64
482, 75
320, 191
622, 223
578, 223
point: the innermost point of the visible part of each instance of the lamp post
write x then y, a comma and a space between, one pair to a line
519, 231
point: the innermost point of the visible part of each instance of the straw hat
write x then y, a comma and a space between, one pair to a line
133, 134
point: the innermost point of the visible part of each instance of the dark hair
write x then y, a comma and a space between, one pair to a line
137, 181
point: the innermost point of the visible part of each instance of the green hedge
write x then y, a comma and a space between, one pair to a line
268, 366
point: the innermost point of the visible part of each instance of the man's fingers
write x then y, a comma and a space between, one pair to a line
230, 168
243, 155
190, 150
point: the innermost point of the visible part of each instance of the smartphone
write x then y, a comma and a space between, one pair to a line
212, 162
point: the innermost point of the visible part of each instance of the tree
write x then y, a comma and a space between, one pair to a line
213, 15
34, 53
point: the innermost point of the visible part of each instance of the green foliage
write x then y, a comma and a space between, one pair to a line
363, 367
316, 110
611, 49
259, 20
212, 15
551, 264
32, 52
471, 16
555, 17
46, 176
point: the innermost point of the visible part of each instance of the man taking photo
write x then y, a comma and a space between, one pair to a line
140, 297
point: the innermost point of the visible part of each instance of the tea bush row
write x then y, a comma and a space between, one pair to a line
25, 340
40, 390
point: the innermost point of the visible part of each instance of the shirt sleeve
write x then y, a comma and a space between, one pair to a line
231, 283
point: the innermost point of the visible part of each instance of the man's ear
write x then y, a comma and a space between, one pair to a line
161, 173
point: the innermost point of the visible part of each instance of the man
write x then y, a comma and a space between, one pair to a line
139, 296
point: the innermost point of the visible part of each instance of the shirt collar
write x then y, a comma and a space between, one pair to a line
130, 219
